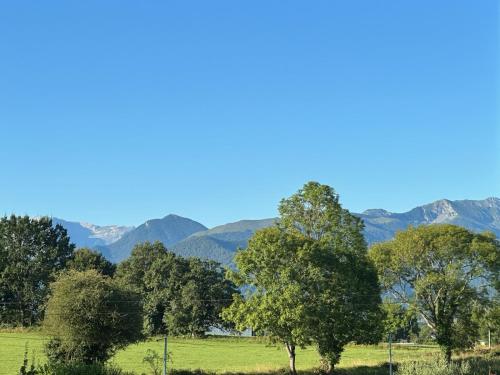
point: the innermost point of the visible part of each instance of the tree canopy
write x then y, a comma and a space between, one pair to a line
440, 270
84, 259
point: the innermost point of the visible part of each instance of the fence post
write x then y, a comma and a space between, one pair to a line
390, 354
165, 355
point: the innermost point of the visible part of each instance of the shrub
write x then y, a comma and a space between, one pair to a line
67, 369
26, 368
90, 316
439, 366
79, 369
154, 361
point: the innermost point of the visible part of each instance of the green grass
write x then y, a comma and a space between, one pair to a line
213, 354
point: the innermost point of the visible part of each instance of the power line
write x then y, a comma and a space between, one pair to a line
356, 294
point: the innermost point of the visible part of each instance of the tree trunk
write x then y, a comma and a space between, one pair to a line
291, 356
447, 354
329, 368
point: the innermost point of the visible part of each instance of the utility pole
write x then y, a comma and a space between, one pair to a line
390, 354
489, 338
165, 355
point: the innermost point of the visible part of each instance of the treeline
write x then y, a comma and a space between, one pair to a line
178, 295
308, 280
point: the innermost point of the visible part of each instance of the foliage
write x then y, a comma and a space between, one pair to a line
78, 369
436, 270
181, 296
26, 368
133, 271
203, 295
399, 321
32, 251
90, 316
154, 361
277, 305
348, 305
487, 316
86, 259
349, 309
439, 365
310, 278
425, 335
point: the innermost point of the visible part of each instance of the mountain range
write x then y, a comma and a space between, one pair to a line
187, 237
90, 235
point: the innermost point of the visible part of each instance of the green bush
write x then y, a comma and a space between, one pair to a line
67, 369
80, 369
89, 317
439, 366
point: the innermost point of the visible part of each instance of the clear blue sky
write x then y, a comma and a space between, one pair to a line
114, 112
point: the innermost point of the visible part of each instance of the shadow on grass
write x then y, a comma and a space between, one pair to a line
365, 370
479, 365
359, 370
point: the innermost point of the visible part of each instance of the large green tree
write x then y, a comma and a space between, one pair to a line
89, 316
310, 278
204, 293
32, 251
439, 271
157, 275
181, 296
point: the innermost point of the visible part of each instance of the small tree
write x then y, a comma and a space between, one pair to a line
90, 316
436, 269
85, 259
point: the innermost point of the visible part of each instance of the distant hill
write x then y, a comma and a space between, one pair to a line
169, 230
190, 238
221, 242
206, 247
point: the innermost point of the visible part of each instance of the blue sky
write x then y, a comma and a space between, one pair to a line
119, 111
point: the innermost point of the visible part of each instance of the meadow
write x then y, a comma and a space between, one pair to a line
215, 354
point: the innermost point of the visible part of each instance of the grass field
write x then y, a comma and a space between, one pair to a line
214, 354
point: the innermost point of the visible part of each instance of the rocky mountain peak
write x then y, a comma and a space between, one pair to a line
440, 211
376, 212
